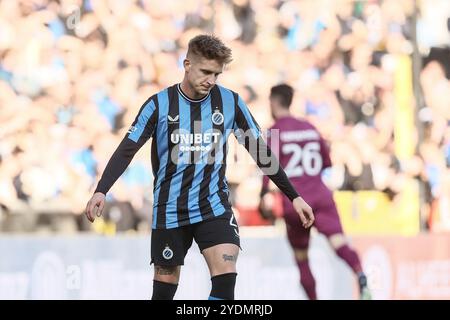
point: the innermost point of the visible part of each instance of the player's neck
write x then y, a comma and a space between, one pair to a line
283, 114
189, 92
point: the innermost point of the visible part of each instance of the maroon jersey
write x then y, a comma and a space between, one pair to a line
303, 154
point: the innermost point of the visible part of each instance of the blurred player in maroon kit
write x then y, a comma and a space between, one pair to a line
304, 155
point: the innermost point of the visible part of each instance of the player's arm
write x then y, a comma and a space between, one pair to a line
325, 153
264, 207
265, 180
271, 168
248, 133
140, 131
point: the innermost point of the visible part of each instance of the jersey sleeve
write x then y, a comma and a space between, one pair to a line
140, 131
244, 122
265, 180
270, 166
249, 134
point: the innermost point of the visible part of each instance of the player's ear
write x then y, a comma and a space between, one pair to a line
187, 64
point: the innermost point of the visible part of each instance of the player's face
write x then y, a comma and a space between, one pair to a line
202, 74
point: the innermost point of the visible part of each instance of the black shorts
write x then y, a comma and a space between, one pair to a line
170, 246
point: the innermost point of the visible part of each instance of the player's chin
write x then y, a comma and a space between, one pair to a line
203, 92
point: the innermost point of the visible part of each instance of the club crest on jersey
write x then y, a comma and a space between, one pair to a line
167, 253
174, 119
217, 118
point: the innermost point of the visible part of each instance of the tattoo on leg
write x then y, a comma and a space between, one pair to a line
231, 258
164, 270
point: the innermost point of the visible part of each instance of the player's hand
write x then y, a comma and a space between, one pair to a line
95, 206
304, 211
265, 207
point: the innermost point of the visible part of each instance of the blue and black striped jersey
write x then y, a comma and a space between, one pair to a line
189, 153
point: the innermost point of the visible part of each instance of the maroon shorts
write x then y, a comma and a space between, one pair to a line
327, 222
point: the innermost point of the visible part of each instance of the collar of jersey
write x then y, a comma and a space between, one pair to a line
189, 99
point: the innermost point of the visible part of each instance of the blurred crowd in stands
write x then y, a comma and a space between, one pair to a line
73, 75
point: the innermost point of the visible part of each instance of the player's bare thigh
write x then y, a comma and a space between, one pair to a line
168, 274
221, 258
